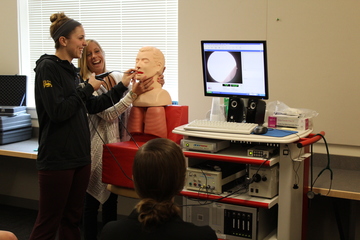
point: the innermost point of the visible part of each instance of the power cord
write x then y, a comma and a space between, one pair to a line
295, 169
311, 194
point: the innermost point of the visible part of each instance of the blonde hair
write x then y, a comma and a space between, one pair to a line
82, 63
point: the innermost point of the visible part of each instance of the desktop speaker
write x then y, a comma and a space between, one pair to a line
235, 110
255, 111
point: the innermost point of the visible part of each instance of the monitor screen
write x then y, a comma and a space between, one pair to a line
235, 69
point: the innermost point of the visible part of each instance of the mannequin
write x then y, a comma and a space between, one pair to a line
147, 115
150, 63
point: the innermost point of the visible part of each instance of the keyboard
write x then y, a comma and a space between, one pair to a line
220, 126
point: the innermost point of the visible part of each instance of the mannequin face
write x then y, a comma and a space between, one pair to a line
95, 58
147, 65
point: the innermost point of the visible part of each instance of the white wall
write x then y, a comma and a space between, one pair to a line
313, 57
9, 37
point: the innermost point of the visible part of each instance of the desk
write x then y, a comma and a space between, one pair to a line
24, 149
345, 183
18, 174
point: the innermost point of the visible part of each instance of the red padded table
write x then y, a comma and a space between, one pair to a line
118, 157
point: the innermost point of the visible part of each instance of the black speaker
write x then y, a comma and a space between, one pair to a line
255, 111
235, 110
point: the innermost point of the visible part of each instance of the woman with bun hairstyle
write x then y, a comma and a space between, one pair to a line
159, 175
63, 101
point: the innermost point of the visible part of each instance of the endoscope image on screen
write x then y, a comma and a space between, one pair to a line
234, 68
223, 67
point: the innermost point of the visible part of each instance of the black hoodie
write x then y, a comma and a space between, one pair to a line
64, 136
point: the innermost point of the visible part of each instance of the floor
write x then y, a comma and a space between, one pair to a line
18, 220
329, 219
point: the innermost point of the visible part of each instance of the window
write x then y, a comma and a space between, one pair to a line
122, 27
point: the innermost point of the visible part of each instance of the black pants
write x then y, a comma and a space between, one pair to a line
61, 203
109, 213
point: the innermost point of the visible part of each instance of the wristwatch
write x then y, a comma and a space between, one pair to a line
133, 95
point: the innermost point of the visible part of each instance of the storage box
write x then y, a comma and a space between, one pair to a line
15, 135
8, 123
15, 128
299, 123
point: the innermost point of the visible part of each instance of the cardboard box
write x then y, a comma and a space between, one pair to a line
290, 121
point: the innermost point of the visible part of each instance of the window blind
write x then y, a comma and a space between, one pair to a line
122, 27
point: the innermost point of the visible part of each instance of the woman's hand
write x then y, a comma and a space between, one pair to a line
128, 76
161, 78
143, 86
94, 82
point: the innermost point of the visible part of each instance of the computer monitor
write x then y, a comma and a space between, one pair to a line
235, 69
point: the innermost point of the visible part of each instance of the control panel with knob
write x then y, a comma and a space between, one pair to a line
264, 181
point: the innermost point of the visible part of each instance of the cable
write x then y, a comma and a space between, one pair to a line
327, 167
210, 201
296, 170
252, 179
132, 138
243, 186
105, 144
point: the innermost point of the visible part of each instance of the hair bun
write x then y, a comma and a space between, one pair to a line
57, 16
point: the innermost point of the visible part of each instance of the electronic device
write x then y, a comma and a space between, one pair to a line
255, 111
235, 110
101, 76
260, 130
235, 69
229, 221
220, 126
214, 176
204, 144
264, 181
262, 151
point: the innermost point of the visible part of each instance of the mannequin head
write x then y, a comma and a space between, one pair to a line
150, 62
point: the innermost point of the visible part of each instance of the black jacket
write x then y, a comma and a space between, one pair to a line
64, 137
129, 228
